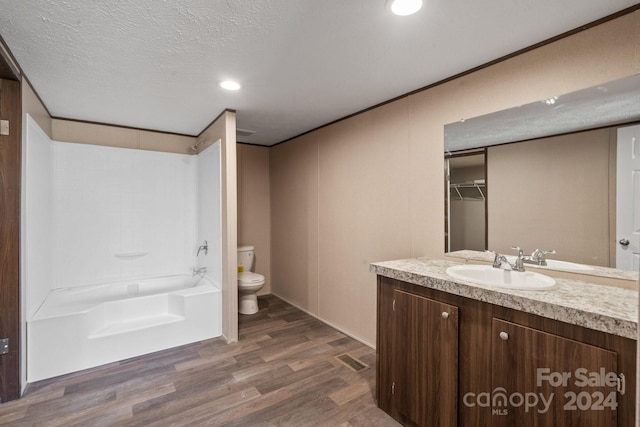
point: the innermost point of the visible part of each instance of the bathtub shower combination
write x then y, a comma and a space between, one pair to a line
83, 327
122, 253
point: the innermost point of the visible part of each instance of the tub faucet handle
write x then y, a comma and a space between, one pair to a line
204, 247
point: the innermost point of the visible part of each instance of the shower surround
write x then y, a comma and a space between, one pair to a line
98, 215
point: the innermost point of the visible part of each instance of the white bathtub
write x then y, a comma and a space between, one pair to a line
82, 327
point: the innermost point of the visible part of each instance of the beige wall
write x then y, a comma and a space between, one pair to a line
254, 211
224, 129
552, 193
97, 134
122, 137
370, 188
294, 221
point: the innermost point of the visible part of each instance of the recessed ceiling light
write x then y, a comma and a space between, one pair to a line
405, 7
230, 85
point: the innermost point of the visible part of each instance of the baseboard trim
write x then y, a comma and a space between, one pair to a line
344, 331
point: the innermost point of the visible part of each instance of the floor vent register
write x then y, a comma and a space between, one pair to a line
352, 362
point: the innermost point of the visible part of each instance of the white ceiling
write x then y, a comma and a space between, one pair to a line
156, 64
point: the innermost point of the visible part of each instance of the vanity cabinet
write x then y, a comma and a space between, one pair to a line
462, 367
420, 386
562, 382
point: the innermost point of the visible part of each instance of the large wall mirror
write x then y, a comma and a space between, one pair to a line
561, 174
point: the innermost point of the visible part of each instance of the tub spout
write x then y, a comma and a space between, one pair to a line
200, 271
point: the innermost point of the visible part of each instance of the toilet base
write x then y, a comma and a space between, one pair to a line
248, 303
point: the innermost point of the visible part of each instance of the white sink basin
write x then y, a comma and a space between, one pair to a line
487, 275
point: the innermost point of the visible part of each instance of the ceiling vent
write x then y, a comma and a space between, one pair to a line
245, 133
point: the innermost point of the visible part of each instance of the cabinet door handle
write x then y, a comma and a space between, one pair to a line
504, 336
445, 315
621, 384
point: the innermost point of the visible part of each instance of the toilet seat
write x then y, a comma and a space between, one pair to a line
249, 278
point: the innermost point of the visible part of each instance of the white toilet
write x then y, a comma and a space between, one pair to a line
248, 282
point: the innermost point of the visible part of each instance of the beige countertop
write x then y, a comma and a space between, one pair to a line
603, 308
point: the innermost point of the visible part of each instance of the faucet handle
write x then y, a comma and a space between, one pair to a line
497, 258
539, 255
518, 265
544, 252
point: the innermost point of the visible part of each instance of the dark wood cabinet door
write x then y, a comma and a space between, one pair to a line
10, 178
424, 361
562, 382
384, 347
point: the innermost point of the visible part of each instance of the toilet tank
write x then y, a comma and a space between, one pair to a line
245, 257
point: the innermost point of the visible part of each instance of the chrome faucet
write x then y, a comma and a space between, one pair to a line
204, 247
519, 264
200, 271
500, 261
538, 257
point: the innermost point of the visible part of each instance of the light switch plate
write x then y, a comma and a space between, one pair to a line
4, 127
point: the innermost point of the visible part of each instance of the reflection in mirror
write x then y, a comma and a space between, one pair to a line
466, 219
605, 105
553, 192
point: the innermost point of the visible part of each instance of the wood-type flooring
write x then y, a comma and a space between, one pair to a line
283, 371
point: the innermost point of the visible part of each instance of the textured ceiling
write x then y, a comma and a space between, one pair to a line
156, 64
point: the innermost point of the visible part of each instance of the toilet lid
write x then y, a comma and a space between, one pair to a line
249, 277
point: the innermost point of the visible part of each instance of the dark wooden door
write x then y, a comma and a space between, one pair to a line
578, 381
10, 175
384, 346
424, 361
